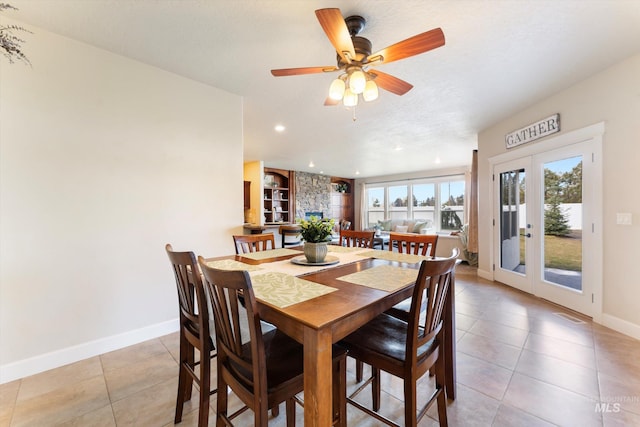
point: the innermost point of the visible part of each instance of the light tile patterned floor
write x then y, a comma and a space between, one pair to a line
519, 364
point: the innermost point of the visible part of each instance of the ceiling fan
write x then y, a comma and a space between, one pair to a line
354, 59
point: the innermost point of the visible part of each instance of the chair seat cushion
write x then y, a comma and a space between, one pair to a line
384, 337
284, 358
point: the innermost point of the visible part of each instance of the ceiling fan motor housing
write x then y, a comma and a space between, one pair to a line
362, 46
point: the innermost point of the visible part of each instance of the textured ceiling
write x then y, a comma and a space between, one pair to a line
499, 58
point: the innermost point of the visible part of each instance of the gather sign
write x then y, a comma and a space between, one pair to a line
534, 131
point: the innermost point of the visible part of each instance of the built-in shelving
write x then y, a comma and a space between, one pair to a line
278, 196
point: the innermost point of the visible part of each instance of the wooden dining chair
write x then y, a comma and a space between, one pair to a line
419, 244
194, 335
292, 231
359, 239
247, 243
261, 369
344, 224
416, 244
408, 350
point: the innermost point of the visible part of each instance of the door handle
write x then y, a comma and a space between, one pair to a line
528, 235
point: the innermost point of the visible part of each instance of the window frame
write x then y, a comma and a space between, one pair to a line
386, 210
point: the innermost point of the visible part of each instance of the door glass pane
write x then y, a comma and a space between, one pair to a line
512, 221
563, 222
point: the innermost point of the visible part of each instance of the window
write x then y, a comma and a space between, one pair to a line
452, 202
440, 200
397, 205
424, 201
375, 205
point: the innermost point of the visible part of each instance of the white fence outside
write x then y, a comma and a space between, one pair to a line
571, 211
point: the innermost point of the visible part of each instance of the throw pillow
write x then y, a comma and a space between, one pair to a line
418, 226
401, 228
385, 225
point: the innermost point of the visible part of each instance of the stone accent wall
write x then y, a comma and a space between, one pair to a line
313, 193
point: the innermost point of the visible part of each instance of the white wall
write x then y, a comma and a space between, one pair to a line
612, 96
104, 160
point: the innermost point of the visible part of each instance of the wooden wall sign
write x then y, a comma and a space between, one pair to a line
534, 131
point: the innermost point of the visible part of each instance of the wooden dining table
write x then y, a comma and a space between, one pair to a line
321, 321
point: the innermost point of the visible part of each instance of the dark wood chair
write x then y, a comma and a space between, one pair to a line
194, 334
292, 231
419, 244
261, 369
359, 239
247, 243
416, 244
408, 349
345, 225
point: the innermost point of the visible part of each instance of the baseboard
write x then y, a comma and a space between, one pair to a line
485, 274
621, 325
65, 356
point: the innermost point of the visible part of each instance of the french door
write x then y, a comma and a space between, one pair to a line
547, 216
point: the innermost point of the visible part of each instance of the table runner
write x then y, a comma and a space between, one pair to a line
344, 249
283, 290
230, 264
385, 277
394, 256
286, 266
272, 253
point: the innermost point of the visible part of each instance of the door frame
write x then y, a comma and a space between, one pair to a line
594, 134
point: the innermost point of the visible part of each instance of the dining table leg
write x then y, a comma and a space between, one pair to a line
317, 377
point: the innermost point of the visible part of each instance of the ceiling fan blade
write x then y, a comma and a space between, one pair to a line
412, 46
304, 70
390, 83
330, 101
336, 30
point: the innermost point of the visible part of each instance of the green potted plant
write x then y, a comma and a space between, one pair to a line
316, 233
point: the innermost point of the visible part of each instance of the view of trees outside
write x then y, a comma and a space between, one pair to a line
452, 200
375, 207
562, 244
439, 201
424, 195
424, 201
561, 185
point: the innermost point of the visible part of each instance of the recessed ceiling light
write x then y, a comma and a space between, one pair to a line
279, 128
357, 172
437, 160
311, 165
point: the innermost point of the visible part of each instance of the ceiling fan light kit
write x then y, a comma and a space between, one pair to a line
354, 58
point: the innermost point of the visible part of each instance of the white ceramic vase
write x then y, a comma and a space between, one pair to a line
315, 252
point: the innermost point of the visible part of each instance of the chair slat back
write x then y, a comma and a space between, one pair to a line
359, 239
291, 231
247, 243
194, 315
242, 356
435, 277
416, 244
